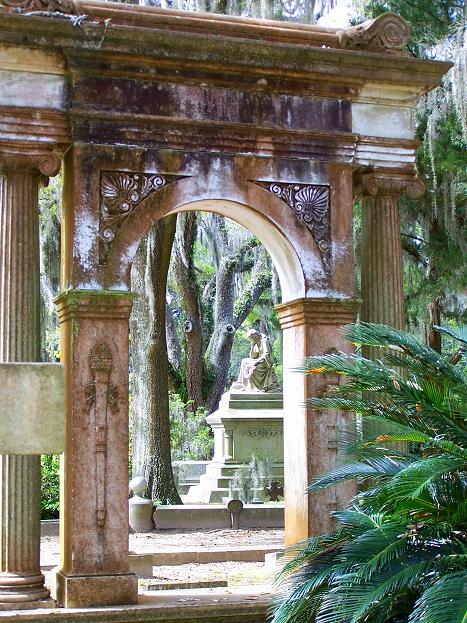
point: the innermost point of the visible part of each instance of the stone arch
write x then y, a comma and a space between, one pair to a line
290, 245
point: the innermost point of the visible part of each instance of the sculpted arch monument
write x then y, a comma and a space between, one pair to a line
152, 112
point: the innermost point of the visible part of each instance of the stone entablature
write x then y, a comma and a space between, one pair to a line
311, 97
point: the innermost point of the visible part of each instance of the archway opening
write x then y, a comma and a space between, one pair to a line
212, 283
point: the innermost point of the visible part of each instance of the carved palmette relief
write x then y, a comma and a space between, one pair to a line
121, 192
101, 397
310, 203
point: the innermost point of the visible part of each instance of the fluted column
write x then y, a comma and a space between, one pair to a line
21, 581
381, 250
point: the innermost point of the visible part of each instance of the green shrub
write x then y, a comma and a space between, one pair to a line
190, 436
50, 493
399, 551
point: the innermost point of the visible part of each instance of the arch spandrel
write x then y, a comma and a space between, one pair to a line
290, 244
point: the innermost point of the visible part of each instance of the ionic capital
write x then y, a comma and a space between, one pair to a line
19, 159
390, 184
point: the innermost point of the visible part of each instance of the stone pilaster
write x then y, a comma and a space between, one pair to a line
311, 327
21, 581
94, 569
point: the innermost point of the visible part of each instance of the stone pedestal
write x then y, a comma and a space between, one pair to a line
94, 505
244, 424
21, 580
311, 327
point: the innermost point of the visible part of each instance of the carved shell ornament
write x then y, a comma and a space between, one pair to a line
121, 193
310, 203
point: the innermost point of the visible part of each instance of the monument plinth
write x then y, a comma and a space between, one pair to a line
246, 424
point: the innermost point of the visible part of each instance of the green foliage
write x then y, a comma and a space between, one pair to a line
399, 552
190, 436
50, 493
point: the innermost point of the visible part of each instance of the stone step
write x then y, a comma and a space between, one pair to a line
247, 604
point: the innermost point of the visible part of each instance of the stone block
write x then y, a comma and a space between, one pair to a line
141, 565
32, 412
86, 591
214, 516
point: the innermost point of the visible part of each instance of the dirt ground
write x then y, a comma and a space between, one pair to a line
235, 573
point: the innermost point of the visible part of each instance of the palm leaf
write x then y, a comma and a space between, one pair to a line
444, 601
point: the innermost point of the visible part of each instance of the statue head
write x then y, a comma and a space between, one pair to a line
253, 335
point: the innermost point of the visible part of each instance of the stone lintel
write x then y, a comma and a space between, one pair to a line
32, 396
97, 304
324, 311
85, 591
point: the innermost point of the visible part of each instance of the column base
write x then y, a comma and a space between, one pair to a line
17, 589
87, 591
28, 605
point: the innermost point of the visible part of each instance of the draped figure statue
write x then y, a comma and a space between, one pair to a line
256, 371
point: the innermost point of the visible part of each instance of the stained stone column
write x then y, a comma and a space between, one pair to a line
21, 581
94, 565
311, 327
381, 251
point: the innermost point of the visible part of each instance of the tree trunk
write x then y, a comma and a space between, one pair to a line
433, 337
193, 327
230, 317
151, 426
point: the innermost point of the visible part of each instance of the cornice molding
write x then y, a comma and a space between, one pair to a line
93, 304
238, 48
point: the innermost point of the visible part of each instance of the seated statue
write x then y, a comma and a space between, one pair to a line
256, 371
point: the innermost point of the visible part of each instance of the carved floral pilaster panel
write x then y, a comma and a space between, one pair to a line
310, 203
101, 397
121, 192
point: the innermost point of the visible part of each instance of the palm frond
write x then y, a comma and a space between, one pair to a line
445, 600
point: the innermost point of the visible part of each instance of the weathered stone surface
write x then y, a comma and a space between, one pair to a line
311, 327
32, 412
141, 565
382, 276
247, 604
246, 423
94, 518
223, 108
140, 515
216, 516
105, 590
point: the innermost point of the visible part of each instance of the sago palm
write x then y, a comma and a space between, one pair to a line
399, 550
